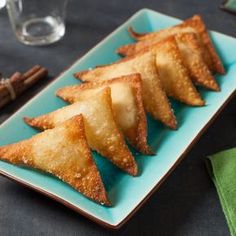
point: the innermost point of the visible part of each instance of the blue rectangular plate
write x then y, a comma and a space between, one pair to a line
126, 193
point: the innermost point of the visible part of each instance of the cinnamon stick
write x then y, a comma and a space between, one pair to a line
14, 79
32, 71
33, 78
20, 82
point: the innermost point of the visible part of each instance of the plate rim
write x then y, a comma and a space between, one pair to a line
142, 202
77, 209
139, 12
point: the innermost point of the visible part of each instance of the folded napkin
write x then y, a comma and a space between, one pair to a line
222, 169
229, 5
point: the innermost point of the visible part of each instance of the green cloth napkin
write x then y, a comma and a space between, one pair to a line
222, 169
229, 5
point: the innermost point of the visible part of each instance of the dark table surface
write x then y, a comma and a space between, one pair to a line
187, 202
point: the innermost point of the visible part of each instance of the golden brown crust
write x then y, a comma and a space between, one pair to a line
145, 40
154, 98
135, 133
132, 48
197, 23
141, 132
174, 76
101, 130
141, 36
80, 74
194, 24
63, 152
192, 55
173, 73
43, 123
135, 34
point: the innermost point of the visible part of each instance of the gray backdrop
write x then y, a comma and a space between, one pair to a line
187, 203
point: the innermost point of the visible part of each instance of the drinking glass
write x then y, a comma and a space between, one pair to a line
2, 3
37, 22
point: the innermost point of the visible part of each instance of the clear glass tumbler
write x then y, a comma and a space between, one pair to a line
37, 22
2, 4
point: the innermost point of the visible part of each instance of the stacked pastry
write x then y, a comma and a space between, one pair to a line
111, 106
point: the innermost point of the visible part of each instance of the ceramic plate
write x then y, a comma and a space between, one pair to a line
125, 192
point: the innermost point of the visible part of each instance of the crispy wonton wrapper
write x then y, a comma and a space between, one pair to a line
154, 97
196, 25
191, 52
171, 71
126, 93
101, 130
62, 152
174, 75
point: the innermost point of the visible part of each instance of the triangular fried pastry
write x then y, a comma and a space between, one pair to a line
171, 71
174, 75
192, 55
62, 152
126, 93
154, 97
191, 52
196, 25
100, 127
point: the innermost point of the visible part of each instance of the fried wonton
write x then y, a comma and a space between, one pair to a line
126, 93
196, 25
62, 152
191, 52
174, 75
101, 130
192, 55
154, 97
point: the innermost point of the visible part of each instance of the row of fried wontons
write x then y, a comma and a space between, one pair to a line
161, 64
